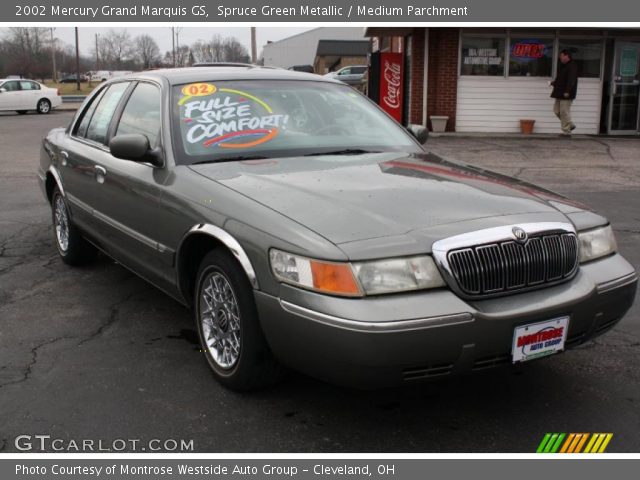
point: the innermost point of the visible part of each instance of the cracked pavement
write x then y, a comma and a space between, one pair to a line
97, 353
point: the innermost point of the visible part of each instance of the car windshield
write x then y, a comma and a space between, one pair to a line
219, 120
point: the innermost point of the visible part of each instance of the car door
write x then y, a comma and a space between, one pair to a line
30, 94
127, 193
10, 97
83, 146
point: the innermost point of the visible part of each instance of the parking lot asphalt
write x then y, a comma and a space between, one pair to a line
97, 353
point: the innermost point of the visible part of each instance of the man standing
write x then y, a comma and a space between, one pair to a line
564, 91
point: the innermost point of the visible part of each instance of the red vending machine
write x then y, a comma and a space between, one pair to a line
386, 82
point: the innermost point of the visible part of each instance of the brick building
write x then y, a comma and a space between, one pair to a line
488, 79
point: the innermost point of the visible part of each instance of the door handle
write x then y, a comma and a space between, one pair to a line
101, 172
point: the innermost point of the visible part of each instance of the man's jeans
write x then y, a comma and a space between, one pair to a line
562, 109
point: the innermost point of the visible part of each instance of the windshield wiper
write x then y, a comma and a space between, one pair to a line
346, 151
232, 159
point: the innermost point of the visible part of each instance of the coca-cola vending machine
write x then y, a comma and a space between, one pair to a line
386, 82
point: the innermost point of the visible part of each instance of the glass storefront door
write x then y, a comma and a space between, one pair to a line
624, 107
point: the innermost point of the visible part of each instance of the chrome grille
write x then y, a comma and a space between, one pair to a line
509, 266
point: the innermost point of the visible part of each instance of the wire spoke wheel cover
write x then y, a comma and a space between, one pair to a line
61, 223
219, 317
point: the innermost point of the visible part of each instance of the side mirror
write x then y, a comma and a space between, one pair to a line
134, 147
419, 132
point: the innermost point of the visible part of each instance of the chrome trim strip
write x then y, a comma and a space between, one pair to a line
57, 178
229, 241
617, 283
378, 327
149, 242
498, 234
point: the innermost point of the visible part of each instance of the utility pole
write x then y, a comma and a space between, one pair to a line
97, 56
178, 29
77, 61
173, 46
54, 77
254, 46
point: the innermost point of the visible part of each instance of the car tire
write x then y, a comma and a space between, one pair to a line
72, 246
21, 112
228, 326
44, 106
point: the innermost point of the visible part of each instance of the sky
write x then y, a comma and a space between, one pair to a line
187, 35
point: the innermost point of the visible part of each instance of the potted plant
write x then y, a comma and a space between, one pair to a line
526, 126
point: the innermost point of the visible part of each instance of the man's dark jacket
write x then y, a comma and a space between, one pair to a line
566, 81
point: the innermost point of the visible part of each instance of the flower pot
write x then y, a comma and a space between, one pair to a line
438, 123
526, 126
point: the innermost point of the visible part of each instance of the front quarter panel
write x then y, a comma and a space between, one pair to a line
190, 199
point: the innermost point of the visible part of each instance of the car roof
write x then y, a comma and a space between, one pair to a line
178, 76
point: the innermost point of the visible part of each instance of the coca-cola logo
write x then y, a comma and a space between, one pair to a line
393, 78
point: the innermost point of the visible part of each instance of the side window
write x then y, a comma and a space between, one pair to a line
142, 113
99, 123
81, 129
29, 86
11, 86
346, 71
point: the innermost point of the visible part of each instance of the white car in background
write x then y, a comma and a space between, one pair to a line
24, 95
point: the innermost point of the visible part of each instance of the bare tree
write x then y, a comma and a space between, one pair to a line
219, 49
234, 51
115, 49
147, 50
184, 58
26, 51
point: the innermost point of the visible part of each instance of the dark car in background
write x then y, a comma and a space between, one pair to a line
306, 228
73, 78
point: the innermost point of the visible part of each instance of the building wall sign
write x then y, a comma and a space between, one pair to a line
482, 56
528, 49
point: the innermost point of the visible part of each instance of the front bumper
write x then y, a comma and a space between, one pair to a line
390, 340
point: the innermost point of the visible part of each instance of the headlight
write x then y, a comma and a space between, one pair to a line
358, 279
326, 277
596, 243
398, 275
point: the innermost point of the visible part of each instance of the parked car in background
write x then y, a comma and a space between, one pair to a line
351, 75
104, 75
305, 227
25, 95
73, 78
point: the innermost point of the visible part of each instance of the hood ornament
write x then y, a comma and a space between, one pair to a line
519, 234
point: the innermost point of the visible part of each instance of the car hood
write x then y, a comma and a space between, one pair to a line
359, 197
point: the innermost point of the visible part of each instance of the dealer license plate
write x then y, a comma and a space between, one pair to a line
540, 339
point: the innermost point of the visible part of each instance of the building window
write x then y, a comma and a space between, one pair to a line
587, 53
483, 56
530, 57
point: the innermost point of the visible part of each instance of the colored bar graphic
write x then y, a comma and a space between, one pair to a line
543, 443
574, 443
590, 444
582, 442
565, 447
606, 441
